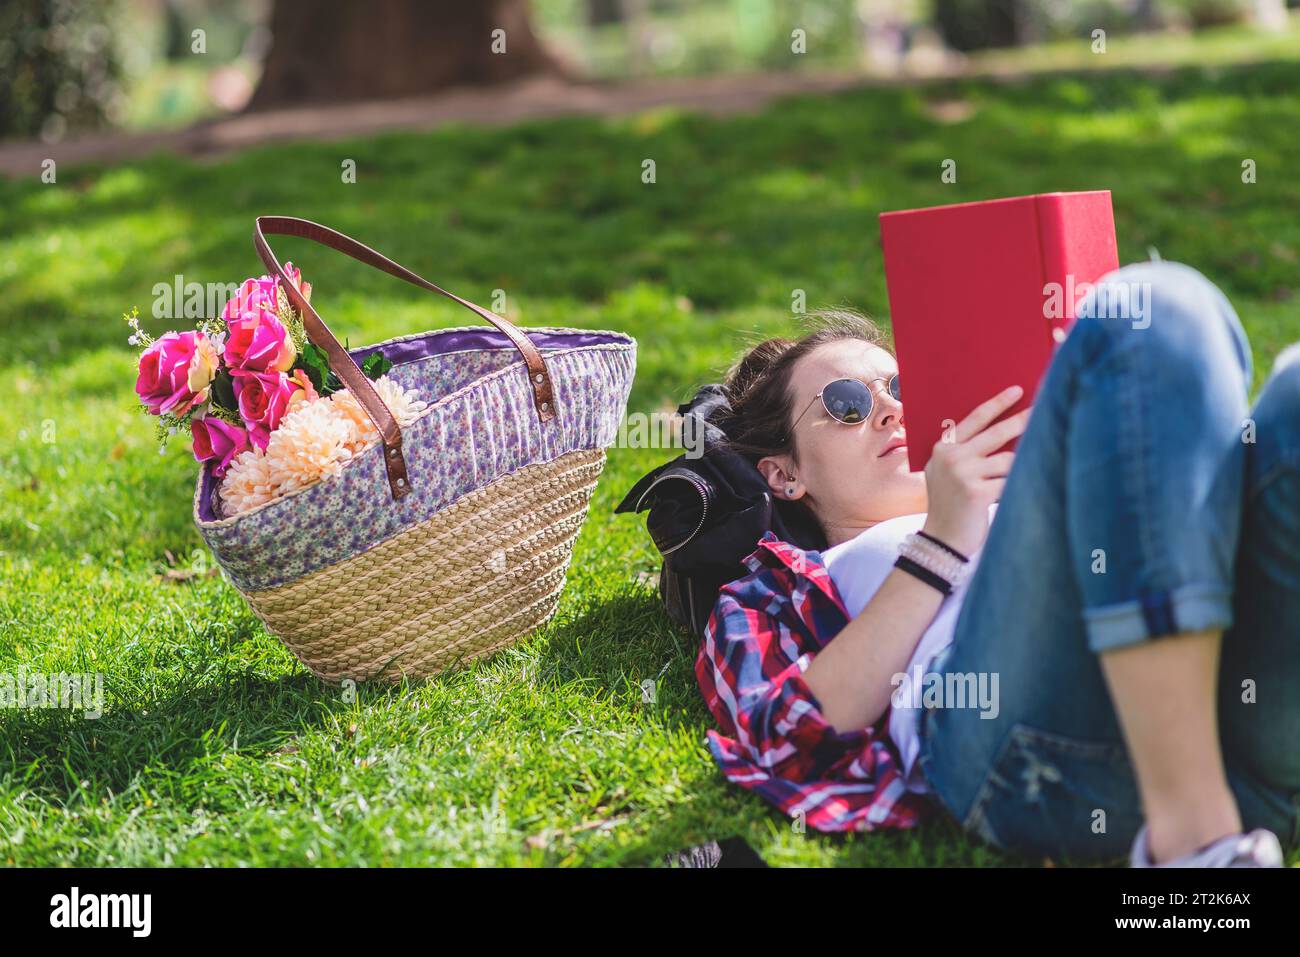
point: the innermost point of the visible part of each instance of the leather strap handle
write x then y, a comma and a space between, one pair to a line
346, 367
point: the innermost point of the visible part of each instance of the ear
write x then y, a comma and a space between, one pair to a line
779, 473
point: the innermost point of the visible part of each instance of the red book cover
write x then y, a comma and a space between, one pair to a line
981, 293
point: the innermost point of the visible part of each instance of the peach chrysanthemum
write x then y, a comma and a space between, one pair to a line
401, 402
314, 440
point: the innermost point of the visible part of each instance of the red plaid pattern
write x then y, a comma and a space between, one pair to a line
764, 631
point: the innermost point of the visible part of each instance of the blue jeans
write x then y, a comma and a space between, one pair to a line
1146, 499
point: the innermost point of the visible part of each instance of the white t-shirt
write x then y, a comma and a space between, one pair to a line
858, 568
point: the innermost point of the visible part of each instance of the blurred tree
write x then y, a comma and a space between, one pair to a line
601, 12
176, 38
978, 24
1213, 13
1145, 16
332, 50
58, 66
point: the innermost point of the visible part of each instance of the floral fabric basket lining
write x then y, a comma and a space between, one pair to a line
452, 537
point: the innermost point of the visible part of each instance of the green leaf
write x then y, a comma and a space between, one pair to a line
223, 390
376, 365
315, 363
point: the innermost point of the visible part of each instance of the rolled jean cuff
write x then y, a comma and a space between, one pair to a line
1184, 609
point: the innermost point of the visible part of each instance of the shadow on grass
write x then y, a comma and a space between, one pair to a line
65, 757
617, 644
612, 643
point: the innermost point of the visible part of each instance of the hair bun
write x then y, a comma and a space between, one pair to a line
743, 376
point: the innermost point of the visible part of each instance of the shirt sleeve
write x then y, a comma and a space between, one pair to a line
750, 670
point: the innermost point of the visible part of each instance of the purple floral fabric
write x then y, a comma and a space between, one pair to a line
482, 425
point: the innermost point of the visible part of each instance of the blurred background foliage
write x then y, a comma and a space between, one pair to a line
72, 65
216, 747
60, 66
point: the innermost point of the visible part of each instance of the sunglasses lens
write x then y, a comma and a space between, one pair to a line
895, 390
847, 400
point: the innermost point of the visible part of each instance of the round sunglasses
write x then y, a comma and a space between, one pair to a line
849, 400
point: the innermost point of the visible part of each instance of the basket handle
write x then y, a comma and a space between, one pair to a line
342, 362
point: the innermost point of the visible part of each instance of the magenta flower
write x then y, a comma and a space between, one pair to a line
217, 440
257, 339
263, 399
176, 372
253, 295
295, 277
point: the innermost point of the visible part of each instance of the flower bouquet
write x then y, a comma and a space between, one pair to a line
259, 400
395, 555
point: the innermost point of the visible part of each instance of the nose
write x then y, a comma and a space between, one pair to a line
886, 412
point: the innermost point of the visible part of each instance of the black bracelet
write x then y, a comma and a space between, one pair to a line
945, 546
924, 574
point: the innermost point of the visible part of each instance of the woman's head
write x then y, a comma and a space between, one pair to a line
850, 476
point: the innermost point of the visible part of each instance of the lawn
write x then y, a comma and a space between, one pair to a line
216, 746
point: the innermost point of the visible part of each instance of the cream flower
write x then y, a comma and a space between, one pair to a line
401, 402
314, 440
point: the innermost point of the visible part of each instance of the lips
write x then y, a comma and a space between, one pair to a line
894, 445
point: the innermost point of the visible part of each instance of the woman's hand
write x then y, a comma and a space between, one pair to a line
852, 676
966, 473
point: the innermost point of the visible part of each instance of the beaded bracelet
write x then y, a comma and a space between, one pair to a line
943, 566
944, 545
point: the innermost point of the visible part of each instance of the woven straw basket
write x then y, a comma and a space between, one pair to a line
451, 538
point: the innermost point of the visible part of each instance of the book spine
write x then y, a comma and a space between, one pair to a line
1077, 243
1059, 299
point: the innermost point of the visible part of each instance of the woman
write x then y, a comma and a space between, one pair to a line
1122, 669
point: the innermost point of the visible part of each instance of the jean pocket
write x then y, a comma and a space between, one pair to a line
1051, 794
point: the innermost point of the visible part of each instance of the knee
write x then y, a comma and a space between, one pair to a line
1172, 315
1277, 410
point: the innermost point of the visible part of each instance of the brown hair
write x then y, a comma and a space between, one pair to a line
758, 386
758, 389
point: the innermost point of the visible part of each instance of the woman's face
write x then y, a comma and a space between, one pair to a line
852, 476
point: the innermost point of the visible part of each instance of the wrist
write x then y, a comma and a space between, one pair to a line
934, 562
963, 543
943, 546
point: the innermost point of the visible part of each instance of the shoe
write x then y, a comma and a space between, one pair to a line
1259, 848
729, 852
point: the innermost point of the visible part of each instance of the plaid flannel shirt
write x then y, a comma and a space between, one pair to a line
764, 631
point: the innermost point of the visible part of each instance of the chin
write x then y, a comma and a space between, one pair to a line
908, 490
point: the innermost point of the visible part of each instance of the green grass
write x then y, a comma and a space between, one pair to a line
217, 747
1214, 46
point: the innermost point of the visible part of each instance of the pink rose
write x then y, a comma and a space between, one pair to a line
176, 372
295, 277
216, 439
257, 339
254, 295
263, 399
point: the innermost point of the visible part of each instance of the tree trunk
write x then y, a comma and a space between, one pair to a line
601, 12
325, 51
968, 25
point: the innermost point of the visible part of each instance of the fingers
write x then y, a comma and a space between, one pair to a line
997, 466
999, 434
986, 412
993, 488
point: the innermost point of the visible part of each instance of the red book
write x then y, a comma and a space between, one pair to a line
981, 293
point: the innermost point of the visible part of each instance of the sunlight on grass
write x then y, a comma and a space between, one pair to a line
216, 746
